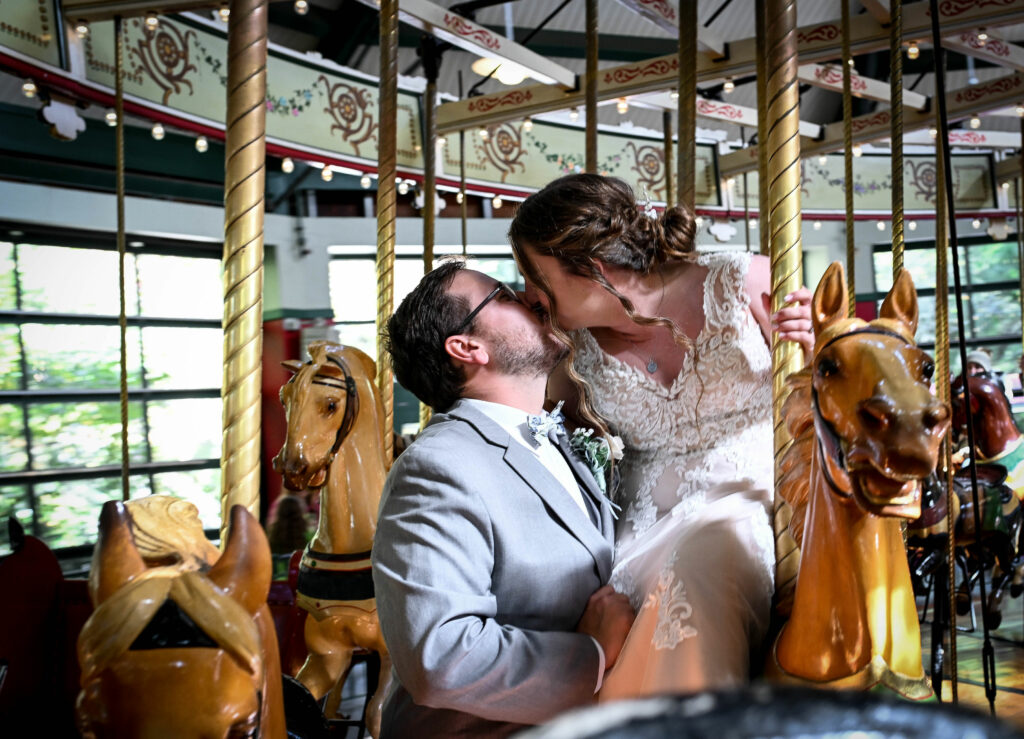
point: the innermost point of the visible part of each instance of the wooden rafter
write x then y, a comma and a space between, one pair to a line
722, 111
665, 15
830, 77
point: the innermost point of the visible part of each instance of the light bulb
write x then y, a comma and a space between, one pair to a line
1005, 185
933, 132
753, 223
622, 106
574, 115
202, 144
441, 141
913, 50
224, 14
1020, 110
364, 182
497, 202
728, 86
857, 150
823, 160
327, 174
527, 124
982, 36
976, 223
158, 131
817, 225
152, 21
82, 29
403, 188
287, 165
975, 121
880, 225
699, 221
674, 94
301, 7
458, 197
912, 225
29, 89
484, 133
111, 117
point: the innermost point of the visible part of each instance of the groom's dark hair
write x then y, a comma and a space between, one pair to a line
414, 338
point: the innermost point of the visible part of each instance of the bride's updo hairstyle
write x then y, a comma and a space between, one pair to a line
580, 219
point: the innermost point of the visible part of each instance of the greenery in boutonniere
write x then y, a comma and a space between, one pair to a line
598, 452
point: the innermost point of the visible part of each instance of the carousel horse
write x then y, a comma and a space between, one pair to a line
866, 429
335, 443
996, 435
173, 650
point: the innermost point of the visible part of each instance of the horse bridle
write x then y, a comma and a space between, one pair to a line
351, 399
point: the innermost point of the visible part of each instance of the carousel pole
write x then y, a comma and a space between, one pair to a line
686, 179
462, 178
851, 262
431, 60
122, 316
1018, 181
386, 206
590, 158
896, 131
762, 127
666, 128
244, 187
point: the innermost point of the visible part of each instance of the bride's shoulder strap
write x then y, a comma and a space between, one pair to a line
725, 295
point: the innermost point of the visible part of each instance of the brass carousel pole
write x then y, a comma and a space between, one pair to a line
590, 159
896, 131
686, 130
851, 262
386, 206
122, 318
429, 57
462, 177
666, 127
244, 186
762, 127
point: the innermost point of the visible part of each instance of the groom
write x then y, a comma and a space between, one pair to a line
494, 543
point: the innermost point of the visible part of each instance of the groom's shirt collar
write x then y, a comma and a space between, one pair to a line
512, 420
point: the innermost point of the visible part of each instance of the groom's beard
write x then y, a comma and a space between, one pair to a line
526, 356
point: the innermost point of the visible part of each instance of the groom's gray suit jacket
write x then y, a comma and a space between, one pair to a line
483, 565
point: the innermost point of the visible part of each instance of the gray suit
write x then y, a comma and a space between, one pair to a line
483, 565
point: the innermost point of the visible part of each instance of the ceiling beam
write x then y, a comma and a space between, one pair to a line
968, 137
817, 43
830, 77
1008, 169
992, 49
962, 103
665, 15
726, 112
474, 38
879, 10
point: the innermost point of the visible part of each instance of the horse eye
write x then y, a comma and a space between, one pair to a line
332, 406
928, 369
828, 367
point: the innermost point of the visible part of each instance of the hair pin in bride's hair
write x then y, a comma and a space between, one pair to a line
649, 209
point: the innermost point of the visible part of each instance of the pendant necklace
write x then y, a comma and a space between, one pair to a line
652, 364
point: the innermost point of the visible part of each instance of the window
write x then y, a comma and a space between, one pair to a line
60, 417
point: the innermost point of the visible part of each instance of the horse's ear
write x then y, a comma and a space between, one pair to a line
115, 560
901, 302
292, 365
243, 570
830, 303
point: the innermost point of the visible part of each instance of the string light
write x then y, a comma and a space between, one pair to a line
975, 121
913, 50
458, 197
823, 160
364, 182
1005, 185
484, 133
497, 201
111, 117
403, 188
912, 225
574, 115
441, 141
933, 132
202, 144
880, 225
152, 21
699, 221
301, 7
158, 131
527, 124
728, 86
817, 225
622, 106
82, 29
287, 165
29, 89
976, 223
224, 13
857, 150
753, 223
327, 174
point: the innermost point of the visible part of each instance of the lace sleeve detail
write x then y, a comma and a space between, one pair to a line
726, 302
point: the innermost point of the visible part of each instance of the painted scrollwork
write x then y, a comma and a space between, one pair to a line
163, 56
351, 109
924, 178
649, 164
503, 148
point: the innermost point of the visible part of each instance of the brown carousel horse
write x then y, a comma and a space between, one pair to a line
335, 443
172, 651
866, 429
996, 435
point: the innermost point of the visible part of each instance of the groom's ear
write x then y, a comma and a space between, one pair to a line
466, 349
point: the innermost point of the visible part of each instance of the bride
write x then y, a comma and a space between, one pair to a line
671, 349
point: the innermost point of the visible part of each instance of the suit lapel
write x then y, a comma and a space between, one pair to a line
586, 479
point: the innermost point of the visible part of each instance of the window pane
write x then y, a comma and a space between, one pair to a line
69, 512
500, 268
10, 365
920, 263
185, 429
353, 285
182, 287
52, 280
993, 262
83, 434
183, 358
362, 336
8, 298
78, 356
12, 440
201, 487
995, 312
13, 502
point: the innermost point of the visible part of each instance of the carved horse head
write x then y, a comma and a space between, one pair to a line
172, 652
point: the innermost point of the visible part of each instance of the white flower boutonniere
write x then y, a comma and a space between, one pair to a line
598, 452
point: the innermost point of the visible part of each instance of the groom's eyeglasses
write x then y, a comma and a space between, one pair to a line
503, 290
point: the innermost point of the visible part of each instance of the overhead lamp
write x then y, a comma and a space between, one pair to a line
497, 201
1005, 184
975, 122
976, 223
158, 131
301, 7
327, 174
111, 117
912, 225
982, 36
857, 150
403, 188
364, 182
507, 73
817, 225
933, 132
82, 29
287, 165
152, 21
441, 141
484, 133
224, 13
729, 182
29, 89
674, 94
753, 223
880, 225
1020, 110
574, 114
699, 221
728, 86
622, 106
822, 160
913, 50
202, 144
527, 124
458, 197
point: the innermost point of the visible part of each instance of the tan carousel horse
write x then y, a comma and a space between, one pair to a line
866, 429
335, 443
171, 649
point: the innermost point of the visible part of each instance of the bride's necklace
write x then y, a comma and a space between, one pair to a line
651, 363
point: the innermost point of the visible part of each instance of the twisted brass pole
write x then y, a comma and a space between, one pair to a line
762, 127
851, 264
686, 180
896, 130
429, 190
122, 316
386, 206
244, 180
590, 160
666, 127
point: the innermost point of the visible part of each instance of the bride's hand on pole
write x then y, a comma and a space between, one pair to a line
793, 321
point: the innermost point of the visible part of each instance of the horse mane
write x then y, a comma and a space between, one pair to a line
794, 468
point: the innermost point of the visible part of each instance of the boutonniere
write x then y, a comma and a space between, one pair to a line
598, 452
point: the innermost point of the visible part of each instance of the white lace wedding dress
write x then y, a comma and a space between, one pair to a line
694, 546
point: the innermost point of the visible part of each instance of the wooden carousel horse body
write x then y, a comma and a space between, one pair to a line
996, 435
335, 443
175, 651
866, 429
